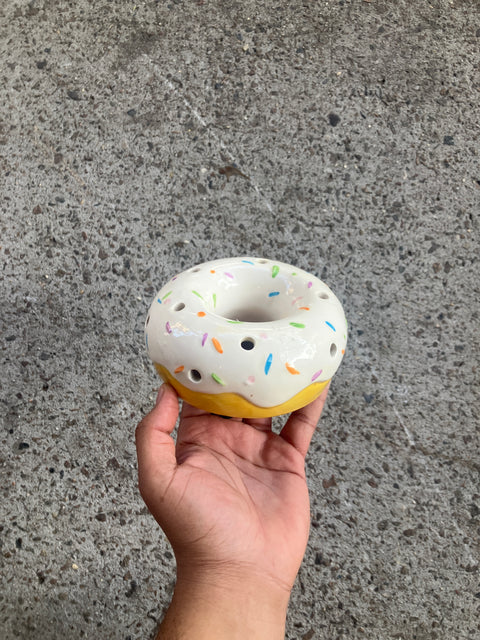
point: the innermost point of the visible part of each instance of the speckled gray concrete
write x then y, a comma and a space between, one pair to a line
358, 125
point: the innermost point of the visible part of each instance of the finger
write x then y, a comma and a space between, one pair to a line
155, 446
301, 425
262, 424
189, 411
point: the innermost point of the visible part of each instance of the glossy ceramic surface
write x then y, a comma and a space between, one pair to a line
246, 337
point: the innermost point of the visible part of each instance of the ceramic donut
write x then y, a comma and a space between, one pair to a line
246, 337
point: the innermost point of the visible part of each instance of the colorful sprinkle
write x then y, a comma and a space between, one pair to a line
304, 308
298, 325
329, 324
218, 379
272, 294
179, 369
201, 314
343, 352
168, 327
315, 375
294, 274
275, 270
159, 300
197, 294
214, 296
310, 284
295, 300
212, 270
204, 339
166, 295
250, 379
235, 321
248, 261
217, 345
268, 363
292, 370
229, 275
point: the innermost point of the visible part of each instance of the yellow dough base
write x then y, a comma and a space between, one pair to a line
234, 405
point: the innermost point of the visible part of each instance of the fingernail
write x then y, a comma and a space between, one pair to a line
160, 394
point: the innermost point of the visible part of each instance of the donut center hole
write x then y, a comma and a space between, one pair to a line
251, 314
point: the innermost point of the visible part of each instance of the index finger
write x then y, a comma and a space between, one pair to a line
300, 426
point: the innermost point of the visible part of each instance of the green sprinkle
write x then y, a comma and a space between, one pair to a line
294, 274
218, 379
298, 325
235, 321
275, 270
214, 300
197, 294
166, 295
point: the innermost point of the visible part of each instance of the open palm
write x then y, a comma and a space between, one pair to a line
230, 495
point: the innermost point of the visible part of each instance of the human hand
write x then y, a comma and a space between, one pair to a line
231, 496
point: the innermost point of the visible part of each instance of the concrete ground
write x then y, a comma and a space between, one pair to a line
357, 124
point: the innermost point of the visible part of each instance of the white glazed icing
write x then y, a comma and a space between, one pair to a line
259, 328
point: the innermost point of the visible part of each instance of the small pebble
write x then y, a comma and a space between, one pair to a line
333, 119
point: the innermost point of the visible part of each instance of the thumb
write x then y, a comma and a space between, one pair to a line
155, 446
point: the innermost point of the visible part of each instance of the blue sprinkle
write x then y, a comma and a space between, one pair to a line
273, 293
158, 300
248, 261
268, 364
330, 325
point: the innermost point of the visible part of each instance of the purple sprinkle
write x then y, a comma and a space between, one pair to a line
315, 375
168, 327
329, 324
309, 284
229, 275
204, 339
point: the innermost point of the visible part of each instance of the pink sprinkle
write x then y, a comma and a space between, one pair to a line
315, 375
168, 327
204, 339
229, 275
296, 300
309, 284
250, 379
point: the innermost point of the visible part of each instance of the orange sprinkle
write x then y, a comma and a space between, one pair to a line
305, 308
343, 351
291, 369
179, 369
212, 270
200, 314
217, 345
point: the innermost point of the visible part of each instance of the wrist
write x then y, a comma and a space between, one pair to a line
230, 604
